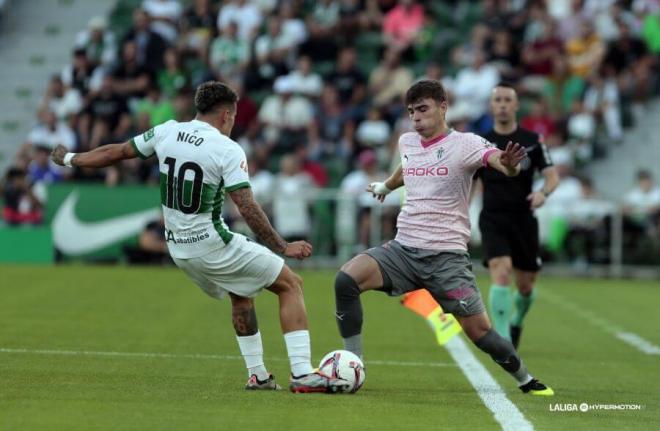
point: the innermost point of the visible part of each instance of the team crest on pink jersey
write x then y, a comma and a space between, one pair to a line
438, 176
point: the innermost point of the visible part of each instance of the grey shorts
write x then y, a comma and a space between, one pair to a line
447, 275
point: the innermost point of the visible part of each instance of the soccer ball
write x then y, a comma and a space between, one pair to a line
344, 365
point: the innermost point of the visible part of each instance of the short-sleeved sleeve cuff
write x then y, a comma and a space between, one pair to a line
137, 150
484, 159
237, 186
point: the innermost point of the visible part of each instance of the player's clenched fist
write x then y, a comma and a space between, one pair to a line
298, 249
378, 190
58, 154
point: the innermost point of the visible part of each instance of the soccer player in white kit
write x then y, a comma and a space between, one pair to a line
430, 248
199, 164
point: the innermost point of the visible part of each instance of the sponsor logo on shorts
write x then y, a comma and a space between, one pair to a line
461, 293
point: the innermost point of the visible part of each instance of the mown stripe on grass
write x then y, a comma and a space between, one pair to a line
491, 393
195, 356
632, 339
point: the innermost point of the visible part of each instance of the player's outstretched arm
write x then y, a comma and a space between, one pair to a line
381, 189
97, 158
255, 217
507, 161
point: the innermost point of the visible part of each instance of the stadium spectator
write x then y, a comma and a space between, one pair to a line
62, 101
402, 24
165, 15
292, 190
41, 169
389, 80
81, 74
229, 54
562, 89
156, 108
464, 54
504, 55
349, 81
197, 26
50, 133
246, 119
293, 26
303, 80
588, 236
581, 128
22, 203
271, 53
355, 183
150, 45
151, 247
374, 133
585, 51
286, 117
322, 23
244, 13
106, 117
538, 53
539, 120
98, 42
261, 181
172, 78
473, 85
642, 206
130, 78
602, 100
332, 129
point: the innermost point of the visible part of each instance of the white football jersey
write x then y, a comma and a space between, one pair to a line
197, 164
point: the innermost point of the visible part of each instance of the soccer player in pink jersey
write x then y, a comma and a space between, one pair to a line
430, 248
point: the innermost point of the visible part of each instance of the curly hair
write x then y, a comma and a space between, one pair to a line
213, 94
426, 88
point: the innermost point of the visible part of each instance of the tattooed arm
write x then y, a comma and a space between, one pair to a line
255, 217
97, 158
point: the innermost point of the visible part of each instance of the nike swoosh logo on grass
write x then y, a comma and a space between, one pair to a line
75, 237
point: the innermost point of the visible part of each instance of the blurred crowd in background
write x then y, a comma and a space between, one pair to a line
321, 86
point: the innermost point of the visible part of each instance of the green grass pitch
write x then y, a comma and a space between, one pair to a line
120, 348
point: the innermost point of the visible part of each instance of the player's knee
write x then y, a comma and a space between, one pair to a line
294, 284
240, 303
525, 288
501, 271
345, 286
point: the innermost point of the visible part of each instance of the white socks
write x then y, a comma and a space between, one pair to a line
253, 353
300, 352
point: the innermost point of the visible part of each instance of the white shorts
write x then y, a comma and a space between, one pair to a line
242, 267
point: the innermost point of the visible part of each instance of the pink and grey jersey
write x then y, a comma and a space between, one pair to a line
438, 175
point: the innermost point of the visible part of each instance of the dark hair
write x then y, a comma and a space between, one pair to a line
426, 88
505, 84
644, 174
213, 94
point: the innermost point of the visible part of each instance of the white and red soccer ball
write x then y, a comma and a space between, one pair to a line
344, 365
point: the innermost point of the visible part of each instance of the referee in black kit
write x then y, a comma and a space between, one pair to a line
509, 229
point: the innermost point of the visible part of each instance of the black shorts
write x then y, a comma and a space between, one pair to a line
514, 234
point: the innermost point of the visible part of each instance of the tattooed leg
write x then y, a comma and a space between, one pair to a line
248, 336
243, 316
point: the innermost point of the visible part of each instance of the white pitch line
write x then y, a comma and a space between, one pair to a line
491, 393
630, 338
194, 356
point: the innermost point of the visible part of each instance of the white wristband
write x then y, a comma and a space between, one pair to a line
67, 159
380, 188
